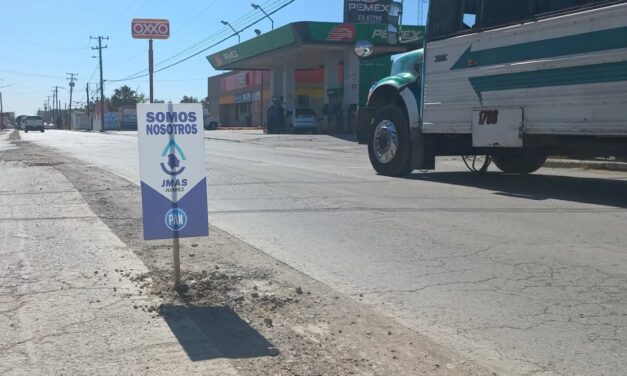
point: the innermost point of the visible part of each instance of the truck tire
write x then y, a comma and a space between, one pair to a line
389, 144
522, 162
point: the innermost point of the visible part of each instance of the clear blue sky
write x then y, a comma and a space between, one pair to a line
42, 40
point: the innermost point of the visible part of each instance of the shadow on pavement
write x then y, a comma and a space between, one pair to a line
215, 332
596, 191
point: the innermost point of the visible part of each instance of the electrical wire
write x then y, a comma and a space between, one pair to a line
30, 74
472, 166
238, 22
93, 73
200, 13
225, 30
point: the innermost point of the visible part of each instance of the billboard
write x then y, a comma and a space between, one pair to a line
367, 11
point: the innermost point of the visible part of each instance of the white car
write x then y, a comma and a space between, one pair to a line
302, 120
211, 123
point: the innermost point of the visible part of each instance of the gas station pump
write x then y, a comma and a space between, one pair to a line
333, 110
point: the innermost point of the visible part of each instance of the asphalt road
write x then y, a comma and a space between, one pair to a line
526, 274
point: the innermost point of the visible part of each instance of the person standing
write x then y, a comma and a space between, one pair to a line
280, 118
271, 116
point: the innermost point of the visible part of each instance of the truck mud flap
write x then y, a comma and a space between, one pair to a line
422, 158
363, 122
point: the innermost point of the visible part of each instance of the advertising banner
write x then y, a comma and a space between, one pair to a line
172, 170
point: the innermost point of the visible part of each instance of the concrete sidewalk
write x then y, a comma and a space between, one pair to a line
587, 165
64, 308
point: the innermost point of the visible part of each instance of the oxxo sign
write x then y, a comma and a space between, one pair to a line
143, 28
172, 170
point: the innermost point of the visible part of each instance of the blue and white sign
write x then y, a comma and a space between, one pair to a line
172, 169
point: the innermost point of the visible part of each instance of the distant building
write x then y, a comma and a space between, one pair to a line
7, 118
80, 121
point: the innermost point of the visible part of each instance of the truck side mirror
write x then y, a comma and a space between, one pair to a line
395, 20
363, 48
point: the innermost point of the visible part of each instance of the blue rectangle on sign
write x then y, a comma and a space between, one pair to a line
164, 219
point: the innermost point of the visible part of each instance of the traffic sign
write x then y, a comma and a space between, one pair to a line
172, 170
144, 28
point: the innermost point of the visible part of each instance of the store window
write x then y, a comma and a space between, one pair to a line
242, 111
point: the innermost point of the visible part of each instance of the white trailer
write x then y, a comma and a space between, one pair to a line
515, 80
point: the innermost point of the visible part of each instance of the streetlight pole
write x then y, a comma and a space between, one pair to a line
226, 23
257, 6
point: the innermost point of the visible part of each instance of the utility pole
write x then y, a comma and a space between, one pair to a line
52, 119
87, 106
48, 107
57, 105
99, 48
71, 78
151, 70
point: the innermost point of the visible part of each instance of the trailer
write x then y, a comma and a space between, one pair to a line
512, 80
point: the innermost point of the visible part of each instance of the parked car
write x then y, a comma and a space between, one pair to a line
210, 123
302, 120
32, 123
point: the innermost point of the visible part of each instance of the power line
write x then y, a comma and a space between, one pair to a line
141, 75
205, 40
223, 33
200, 13
240, 21
30, 74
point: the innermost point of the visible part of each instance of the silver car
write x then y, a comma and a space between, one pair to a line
303, 120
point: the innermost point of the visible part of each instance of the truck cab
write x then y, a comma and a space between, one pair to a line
405, 74
32, 123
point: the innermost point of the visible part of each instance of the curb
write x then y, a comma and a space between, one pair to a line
239, 128
587, 165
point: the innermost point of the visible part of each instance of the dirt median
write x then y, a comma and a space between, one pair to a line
264, 316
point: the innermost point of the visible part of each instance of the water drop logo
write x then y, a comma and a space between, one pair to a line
172, 166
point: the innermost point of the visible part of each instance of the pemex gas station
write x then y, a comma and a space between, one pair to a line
304, 65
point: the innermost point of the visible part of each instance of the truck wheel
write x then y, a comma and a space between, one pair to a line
522, 162
389, 144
